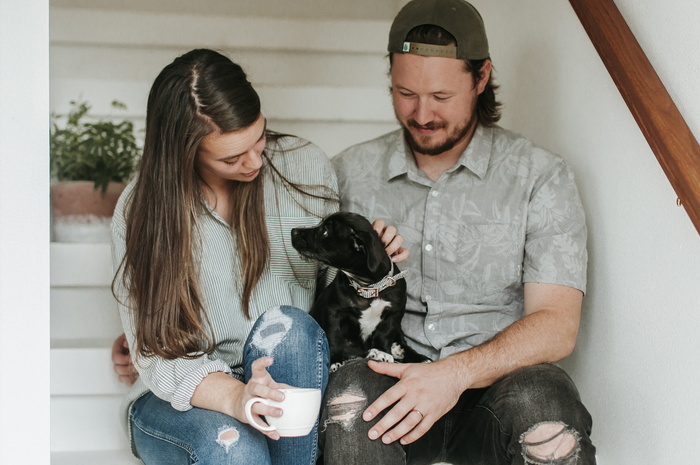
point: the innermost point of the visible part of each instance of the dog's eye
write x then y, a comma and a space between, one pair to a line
324, 232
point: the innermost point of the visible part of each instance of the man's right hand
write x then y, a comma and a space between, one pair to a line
122, 361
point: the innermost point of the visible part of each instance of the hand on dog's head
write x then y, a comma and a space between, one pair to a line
345, 241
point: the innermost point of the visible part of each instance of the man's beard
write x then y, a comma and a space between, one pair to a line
453, 139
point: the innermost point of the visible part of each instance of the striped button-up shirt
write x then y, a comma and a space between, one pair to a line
288, 280
506, 213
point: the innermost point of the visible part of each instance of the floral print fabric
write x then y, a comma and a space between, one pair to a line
507, 213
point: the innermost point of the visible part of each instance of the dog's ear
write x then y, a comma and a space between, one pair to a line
375, 250
357, 243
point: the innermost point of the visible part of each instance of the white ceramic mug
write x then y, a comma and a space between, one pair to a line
300, 409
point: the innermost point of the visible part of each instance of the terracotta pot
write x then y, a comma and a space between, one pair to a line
81, 213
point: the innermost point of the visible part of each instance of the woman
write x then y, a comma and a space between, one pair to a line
201, 248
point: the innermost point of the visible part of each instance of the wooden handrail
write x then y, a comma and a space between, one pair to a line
666, 131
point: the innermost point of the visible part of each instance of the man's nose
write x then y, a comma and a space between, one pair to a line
423, 112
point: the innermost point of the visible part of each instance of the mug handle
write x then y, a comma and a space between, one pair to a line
249, 414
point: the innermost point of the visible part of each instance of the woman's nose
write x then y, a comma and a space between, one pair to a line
253, 159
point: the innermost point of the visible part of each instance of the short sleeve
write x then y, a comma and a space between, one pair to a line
555, 244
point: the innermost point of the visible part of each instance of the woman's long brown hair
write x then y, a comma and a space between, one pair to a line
200, 92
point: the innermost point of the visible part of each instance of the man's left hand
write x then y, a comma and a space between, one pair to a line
424, 393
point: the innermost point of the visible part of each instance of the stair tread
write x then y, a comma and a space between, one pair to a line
84, 371
101, 457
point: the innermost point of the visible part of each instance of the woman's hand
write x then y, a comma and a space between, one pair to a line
122, 361
392, 240
262, 385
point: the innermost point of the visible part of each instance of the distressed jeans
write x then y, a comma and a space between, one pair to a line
533, 416
165, 436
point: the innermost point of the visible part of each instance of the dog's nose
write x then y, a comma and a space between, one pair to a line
297, 239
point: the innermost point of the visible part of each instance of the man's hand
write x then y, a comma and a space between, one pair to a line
425, 392
392, 240
122, 361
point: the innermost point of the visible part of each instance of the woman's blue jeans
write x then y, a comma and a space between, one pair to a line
165, 436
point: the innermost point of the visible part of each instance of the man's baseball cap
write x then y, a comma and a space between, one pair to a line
457, 17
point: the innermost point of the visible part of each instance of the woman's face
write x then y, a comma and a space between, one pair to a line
232, 156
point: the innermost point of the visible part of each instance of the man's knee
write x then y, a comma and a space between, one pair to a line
550, 443
351, 389
545, 390
357, 374
345, 408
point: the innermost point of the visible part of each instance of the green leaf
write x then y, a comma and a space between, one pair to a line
98, 151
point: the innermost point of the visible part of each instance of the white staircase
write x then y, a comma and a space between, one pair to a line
85, 392
320, 69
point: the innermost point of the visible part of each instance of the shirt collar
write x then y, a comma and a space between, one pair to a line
478, 153
399, 156
475, 158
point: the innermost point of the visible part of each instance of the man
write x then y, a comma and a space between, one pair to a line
497, 238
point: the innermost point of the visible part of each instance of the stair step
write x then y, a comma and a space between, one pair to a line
158, 30
84, 370
84, 313
99, 457
83, 264
86, 423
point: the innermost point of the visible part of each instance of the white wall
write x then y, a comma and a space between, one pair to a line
637, 361
24, 233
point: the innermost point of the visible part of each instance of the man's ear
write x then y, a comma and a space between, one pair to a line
486, 68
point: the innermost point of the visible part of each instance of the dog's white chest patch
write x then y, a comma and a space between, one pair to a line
371, 317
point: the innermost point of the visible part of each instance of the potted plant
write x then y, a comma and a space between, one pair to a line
91, 160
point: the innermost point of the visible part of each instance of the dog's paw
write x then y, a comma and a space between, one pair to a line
379, 356
397, 351
334, 366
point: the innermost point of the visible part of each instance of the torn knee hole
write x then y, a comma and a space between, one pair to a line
346, 407
550, 443
272, 330
227, 437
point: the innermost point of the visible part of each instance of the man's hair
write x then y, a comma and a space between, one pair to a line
488, 109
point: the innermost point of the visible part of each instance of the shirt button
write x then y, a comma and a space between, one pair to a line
435, 193
429, 247
431, 326
428, 297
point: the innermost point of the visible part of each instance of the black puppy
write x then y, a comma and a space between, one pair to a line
361, 310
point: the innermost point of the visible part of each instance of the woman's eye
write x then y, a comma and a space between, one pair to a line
233, 162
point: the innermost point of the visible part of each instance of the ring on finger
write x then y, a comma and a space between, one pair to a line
419, 413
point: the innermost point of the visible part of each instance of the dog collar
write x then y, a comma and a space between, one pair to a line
372, 291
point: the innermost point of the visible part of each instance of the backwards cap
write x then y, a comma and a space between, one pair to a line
457, 17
